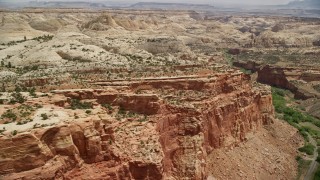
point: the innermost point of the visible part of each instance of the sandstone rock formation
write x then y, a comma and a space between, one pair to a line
283, 77
249, 65
184, 134
275, 77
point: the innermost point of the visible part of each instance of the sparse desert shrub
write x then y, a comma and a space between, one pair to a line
77, 104
121, 111
17, 97
85, 50
9, 114
2, 130
317, 87
298, 158
108, 106
24, 122
9, 65
43, 38
44, 116
32, 92
38, 106
17, 89
15, 132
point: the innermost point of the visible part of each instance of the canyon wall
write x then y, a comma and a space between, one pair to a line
173, 144
188, 135
284, 77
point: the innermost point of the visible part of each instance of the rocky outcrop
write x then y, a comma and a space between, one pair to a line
188, 135
310, 76
106, 21
69, 144
283, 77
275, 77
164, 45
42, 81
59, 149
249, 65
303, 94
22, 153
144, 104
278, 27
270, 39
173, 144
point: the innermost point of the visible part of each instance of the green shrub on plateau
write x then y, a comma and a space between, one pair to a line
77, 104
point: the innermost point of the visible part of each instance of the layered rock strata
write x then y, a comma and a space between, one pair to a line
171, 139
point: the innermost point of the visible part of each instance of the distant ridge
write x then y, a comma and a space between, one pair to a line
306, 4
66, 4
171, 6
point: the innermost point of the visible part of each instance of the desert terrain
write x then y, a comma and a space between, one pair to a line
158, 94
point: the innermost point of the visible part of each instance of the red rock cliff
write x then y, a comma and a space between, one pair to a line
212, 112
187, 135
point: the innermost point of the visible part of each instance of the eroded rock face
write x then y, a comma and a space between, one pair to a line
187, 135
144, 104
32, 150
42, 81
249, 65
276, 77
271, 39
22, 153
215, 112
286, 78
